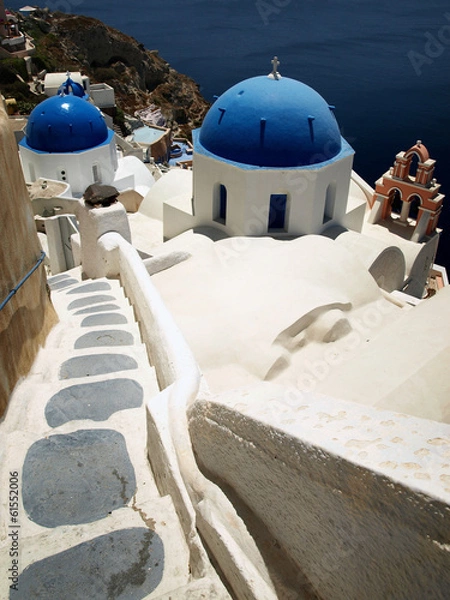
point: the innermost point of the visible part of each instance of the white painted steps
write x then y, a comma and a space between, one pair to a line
75, 433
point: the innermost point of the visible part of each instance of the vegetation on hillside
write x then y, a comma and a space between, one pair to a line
139, 77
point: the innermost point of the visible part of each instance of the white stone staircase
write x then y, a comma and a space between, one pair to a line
91, 522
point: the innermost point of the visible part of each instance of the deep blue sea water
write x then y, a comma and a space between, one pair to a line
385, 65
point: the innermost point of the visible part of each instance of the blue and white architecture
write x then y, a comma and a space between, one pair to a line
295, 416
269, 158
67, 139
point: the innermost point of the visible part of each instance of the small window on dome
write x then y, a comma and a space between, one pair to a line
277, 212
220, 204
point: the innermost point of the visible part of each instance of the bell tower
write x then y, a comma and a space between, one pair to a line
408, 194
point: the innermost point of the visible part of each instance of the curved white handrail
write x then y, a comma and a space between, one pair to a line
200, 504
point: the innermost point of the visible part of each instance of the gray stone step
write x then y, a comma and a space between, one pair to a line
127, 563
78, 477
64, 280
96, 400
136, 552
82, 298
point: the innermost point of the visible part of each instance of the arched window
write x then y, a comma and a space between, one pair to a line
330, 200
413, 166
415, 203
220, 203
395, 201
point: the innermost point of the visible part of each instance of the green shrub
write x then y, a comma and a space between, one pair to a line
17, 90
7, 75
25, 107
16, 65
39, 63
104, 74
119, 117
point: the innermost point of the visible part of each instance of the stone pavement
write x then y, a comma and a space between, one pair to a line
83, 518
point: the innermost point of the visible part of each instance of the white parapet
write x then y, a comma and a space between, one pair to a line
357, 498
93, 223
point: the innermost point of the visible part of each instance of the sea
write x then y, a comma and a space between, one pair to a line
384, 65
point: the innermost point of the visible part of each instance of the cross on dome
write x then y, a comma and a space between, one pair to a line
275, 64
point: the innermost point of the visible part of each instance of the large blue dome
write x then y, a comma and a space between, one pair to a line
65, 123
270, 122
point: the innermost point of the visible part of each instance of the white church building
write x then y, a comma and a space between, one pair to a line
269, 159
67, 139
274, 142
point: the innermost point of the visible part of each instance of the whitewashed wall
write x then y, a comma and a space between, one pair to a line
356, 498
77, 165
249, 191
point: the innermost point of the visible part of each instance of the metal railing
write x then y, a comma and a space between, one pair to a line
23, 280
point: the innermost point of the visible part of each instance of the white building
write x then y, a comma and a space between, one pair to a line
269, 158
67, 139
54, 81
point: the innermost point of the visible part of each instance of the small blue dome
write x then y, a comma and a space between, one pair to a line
65, 123
270, 122
72, 87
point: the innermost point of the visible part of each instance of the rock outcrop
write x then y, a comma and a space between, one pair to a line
140, 77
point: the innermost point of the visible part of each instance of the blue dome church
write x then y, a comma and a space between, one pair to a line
270, 159
67, 139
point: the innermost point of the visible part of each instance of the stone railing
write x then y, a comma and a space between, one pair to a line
201, 505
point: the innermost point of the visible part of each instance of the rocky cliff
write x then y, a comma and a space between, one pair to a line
139, 76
